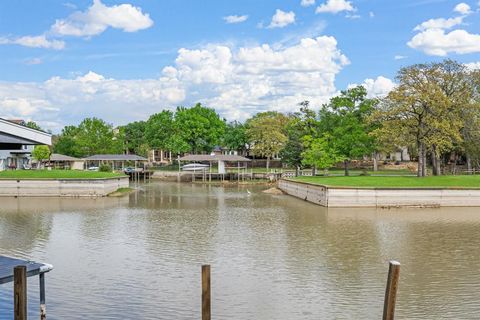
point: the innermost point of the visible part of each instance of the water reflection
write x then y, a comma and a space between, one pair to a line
273, 257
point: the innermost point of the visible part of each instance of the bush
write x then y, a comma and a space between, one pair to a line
364, 173
105, 168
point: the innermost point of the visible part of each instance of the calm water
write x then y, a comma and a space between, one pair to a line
272, 257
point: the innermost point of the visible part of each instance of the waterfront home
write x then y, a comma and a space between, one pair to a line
17, 142
116, 161
60, 161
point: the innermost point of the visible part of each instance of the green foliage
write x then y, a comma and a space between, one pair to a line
300, 124
104, 168
235, 137
267, 134
134, 138
199, 127
320, 152
92, 136
41, 153
33, 125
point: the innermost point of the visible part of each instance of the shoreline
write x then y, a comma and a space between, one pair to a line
381, 197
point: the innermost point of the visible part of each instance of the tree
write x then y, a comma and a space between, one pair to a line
134, 135
320, 152
199, 127
235, 137
267, 134
33, 125
41, 153
65, 143
159, 130
95, 136
300, 124
345, 120
424, 109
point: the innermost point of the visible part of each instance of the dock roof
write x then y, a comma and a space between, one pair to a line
214, 157
62, 157
115, 157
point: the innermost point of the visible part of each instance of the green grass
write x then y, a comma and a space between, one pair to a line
356, 172
121, 192
396, 182
57, 174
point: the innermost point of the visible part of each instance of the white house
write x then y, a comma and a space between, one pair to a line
17, 142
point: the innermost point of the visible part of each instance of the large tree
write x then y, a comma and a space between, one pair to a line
301, 124
266, 132
235, 137
425, 108
200, 128
345, 120
65, 143
134, 136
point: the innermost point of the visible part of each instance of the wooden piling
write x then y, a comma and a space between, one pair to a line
391, 290
43, 307
206, 304
20, 293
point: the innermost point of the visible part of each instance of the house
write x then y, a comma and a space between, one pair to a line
60, 161
17, 142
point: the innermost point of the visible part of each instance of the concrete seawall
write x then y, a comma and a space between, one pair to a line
381, 197
61, 187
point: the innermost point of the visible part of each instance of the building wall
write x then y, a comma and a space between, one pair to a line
6, 157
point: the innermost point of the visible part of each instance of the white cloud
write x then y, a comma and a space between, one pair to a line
235, 19
439, 43
462, 8
377, 88
439, 23
473, 65
307, 3
371, 14
433, 38
335, 6
33, 61
35, 42
282, 19
399, 57
98, 17
238, 82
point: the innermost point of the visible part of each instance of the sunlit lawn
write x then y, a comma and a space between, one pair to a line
396, 181
56, 174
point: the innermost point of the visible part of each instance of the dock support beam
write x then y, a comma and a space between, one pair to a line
43, 307
391, 290
206, 304
20, 293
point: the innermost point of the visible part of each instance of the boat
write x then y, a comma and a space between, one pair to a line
195, 167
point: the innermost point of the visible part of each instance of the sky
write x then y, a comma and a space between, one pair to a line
62, 61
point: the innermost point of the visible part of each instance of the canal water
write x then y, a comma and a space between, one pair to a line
272, 256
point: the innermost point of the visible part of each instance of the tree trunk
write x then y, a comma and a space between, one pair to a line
375, 162
345, 165
268, 163
422, 155
314, 171
469, 163
297, 171
454, 167
436, 162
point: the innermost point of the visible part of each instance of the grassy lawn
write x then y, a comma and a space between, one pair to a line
392, 182
57, 174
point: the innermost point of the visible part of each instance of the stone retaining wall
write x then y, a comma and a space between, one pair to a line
381, 197
61, 187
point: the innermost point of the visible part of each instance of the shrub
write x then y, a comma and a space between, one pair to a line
105, 168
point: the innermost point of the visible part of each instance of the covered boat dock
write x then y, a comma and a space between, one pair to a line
228, 167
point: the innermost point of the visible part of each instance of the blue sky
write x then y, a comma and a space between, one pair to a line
61, 61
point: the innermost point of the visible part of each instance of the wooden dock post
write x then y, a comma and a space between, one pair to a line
43, 307
20, 293
206, 304
391, 290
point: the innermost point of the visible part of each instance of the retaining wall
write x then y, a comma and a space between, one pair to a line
381, 197
61, 187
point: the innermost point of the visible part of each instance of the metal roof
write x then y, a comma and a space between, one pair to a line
61, 157
33, 268
7, 138
214, 157
115, 157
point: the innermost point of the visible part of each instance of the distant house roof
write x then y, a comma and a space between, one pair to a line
61, 157
214, 157
115, 157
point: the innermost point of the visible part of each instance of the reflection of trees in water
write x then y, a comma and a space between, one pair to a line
21, 231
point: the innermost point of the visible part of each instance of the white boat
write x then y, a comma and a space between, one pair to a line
195, 167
